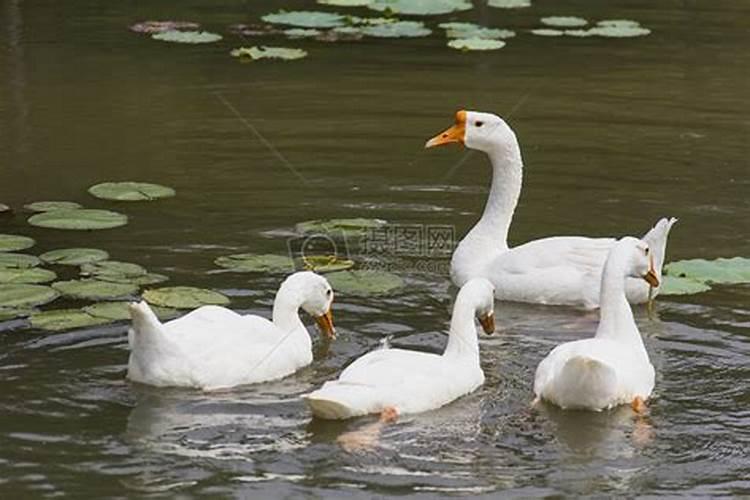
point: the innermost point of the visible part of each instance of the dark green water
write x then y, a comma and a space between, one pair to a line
615, 134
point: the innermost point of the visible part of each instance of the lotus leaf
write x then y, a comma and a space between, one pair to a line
93, 289
18, 260
339, 227
619, 31
467, 44
176, 36
719, 271
131, 191
119, 311
4, 208
618, 23
255, 29
672, 285
341, 34
19, 296
326, 263
256, 263
113, 269
302, 33
13, 242
306, 19
64, 319
509, 4
399, 29
564, 21
79, 219
74, 256
256, 53
346, 3
579, 33
547, 32
420, 7
366, 282
7, 314
151, 27
471, 30
46, 206
143, 280
184, 297
28, 275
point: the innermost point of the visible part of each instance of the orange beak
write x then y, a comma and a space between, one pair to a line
488, 323
651, 278
325, 323
454, 134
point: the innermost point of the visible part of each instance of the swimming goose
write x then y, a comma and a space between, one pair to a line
213, 347
397, 381
612, 368
558, 270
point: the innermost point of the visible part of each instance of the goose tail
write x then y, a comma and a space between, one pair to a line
338, 400
585, 383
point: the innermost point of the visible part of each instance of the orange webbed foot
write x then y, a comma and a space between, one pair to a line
639, 405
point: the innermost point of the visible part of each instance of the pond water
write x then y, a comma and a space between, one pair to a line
615, 134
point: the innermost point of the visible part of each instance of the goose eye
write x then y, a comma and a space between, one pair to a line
329, 292
479, 124
646, 250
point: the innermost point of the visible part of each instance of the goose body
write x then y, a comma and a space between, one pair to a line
213, 347
411, 381
564, 270
613, 367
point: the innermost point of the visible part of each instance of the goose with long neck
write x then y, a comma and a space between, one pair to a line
214, 348
563, 270
391, 382
613, 367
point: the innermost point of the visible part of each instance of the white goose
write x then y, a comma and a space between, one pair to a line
398, 381
558, 270
612, 368
213, 347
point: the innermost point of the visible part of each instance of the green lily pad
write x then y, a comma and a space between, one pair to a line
119, 311
420, 7
618, 23
719, 271
672, 285
306, 19
113, 269
564, 21
8, 314
192, 37
93, 289
326, 263
81, 219
151, 27
467, 44
18, 261
64, 319
471, 30
13, 242
143, 280
547, 32
364, 282
346, 3
5, 208
74, 256
47, 206
339, 227
620, 31
509, 4
256, 53
28, 275
580, 33
399, 29
184, 297
19, 296
131, 191
302, 33
256, 263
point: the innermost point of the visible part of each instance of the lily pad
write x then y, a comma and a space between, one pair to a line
184, 297
64, 319
471, 30
346, 3
254, 29
719, 271
326, 263
152, 27
5, 208
143, 280
673, 285
618, 23
306, 19
580, 33
20, 296
28, 275
339, 227
420, 7
47, 206
256, 263
7, 314
113, 269
74, 256
18, 260
119, 311
547, 32
14, 242
256, 53
192, 37
366, 282
509, 4
341, 34
302, 33
82, 219
93, 289
470, 44
620, 31
399, 29
564, 21
131, 191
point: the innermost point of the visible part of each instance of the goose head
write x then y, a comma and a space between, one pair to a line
314, 295
480, 293
640, 260
481, 131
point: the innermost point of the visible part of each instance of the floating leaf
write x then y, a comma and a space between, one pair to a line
119, 311
564, 21
184, 297
335, 228
46, 206
547, 32
19, 296
92, 289
420, 7
719, 271
28, 275
619, 31
256, 263
306, 19
5, 208
579, 33
326, 263
471, 30
399, 29
13, 242
366, 282
82, 219
618, 23
302, 33
113, 269
131, 191
256, 53
18, 260
254, 29
192, 37
74, 256
509, 4
672, 285
64, 319
346, 3
152, 27
143, 280
467, 44
6, 314
341, 34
